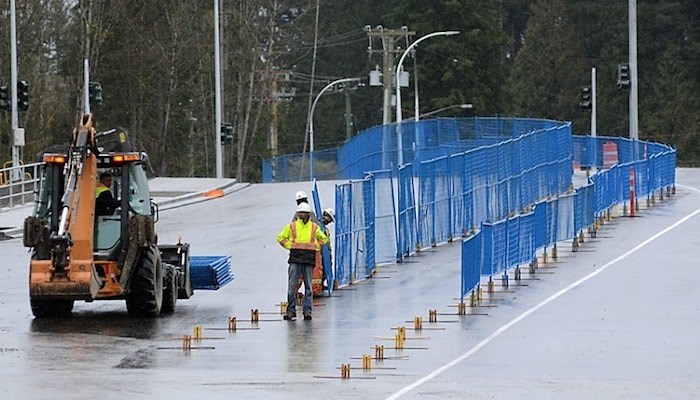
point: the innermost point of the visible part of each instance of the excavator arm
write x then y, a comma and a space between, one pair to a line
69, 273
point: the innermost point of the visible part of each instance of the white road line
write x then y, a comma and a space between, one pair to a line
689, 188
548, 300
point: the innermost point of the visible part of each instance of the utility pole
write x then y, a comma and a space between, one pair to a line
389, 51
280, 92
273, 142
634, 107
348, 115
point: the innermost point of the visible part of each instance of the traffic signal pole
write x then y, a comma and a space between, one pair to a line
217, 95
13, 95
593, 112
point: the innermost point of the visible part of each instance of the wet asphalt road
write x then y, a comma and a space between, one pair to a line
619, 319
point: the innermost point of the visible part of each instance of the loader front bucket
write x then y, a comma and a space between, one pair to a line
78, 281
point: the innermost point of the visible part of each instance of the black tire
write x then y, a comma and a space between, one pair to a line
169, 288
145, 297
51, 308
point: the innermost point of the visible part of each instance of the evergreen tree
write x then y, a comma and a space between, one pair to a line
467, 68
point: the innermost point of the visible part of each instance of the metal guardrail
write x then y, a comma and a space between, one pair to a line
18, 184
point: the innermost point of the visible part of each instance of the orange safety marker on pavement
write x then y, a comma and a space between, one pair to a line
213, 193
233, 326
187, 345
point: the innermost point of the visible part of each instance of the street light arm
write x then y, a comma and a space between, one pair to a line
405, 53
311, 120
318, 96
398, 85
439, 110
400, 64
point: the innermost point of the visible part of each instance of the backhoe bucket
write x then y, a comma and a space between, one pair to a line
78, 281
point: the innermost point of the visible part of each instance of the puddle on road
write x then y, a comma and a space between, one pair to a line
101, 324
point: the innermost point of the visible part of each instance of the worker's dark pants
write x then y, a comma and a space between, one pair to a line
294, 270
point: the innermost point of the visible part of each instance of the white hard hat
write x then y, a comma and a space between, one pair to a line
304, 207
301, 195
330, 213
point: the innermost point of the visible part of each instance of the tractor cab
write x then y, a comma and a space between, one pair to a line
129, 187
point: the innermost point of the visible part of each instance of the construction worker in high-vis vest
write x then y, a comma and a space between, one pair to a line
317, 275
303, 238
105, 203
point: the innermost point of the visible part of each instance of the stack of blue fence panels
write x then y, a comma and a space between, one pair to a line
210, 272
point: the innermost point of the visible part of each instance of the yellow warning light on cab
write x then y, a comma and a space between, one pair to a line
120, 158
54, 159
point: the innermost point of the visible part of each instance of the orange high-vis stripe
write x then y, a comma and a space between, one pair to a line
311, 245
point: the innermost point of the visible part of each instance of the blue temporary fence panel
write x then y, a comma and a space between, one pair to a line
434, 207
471, 263
475, 171
527, 247
514, 241
490, 183
386, 242
565, 218
552, 221
495, 247
540, 211
371, 150
407, 213
488, 248
326, 259
343, 234
296, 167
368, 195
376, 148
512, 255
355, 238
460, 197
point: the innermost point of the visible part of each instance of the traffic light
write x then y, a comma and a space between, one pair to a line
95, 94
623, 76
4, 98
586, 103
227, 133
22, 95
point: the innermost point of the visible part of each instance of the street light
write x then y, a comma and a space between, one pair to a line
311, 121
217, 95
398, 85
439, 110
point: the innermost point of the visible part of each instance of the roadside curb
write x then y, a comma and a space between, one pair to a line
163, 204
198, 197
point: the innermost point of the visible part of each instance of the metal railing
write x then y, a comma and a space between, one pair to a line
18, 184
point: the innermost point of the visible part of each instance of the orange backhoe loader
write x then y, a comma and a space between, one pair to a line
78, 255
